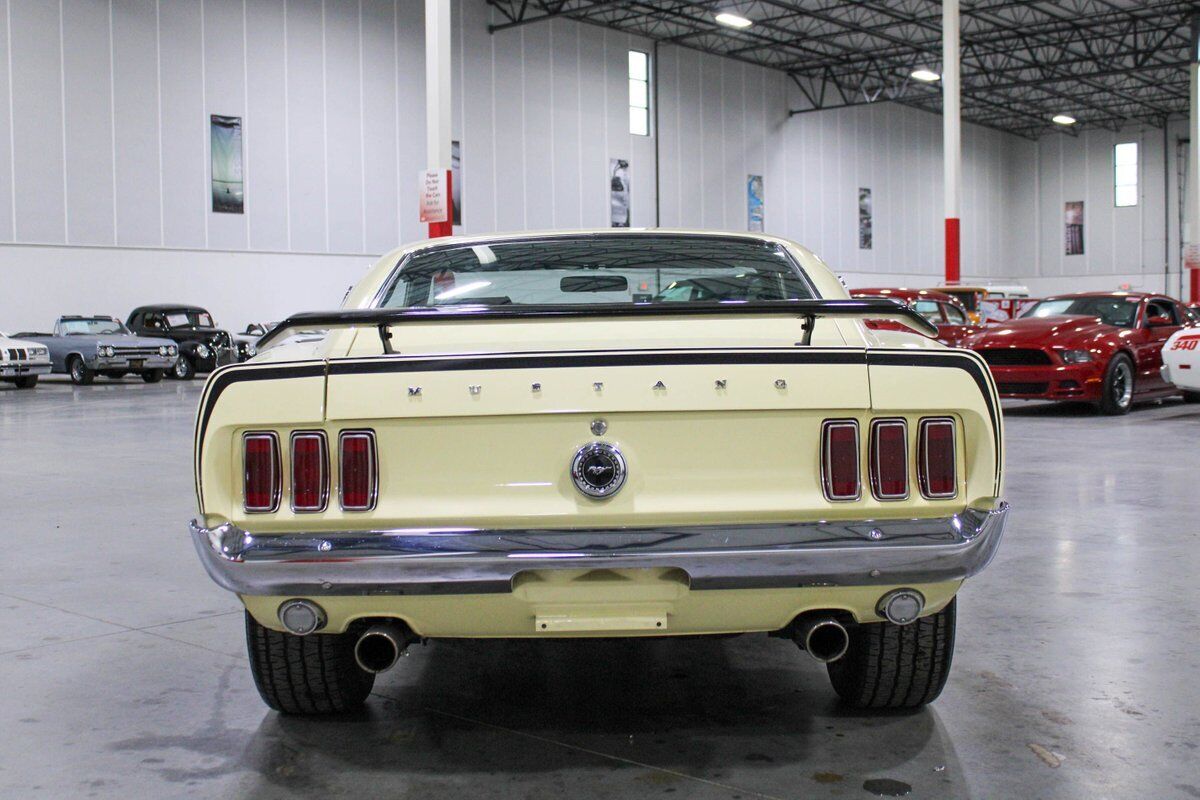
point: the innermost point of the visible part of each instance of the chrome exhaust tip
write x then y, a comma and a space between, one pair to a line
380, 646
823, 638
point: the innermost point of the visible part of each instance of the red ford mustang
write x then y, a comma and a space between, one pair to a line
943, 310
1100, 347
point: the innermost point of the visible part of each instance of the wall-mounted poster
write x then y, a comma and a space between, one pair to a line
456, 180
618, 180
227, 187
1073, 223
864, 218
754, 202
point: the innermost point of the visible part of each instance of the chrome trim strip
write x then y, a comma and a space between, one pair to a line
472, 561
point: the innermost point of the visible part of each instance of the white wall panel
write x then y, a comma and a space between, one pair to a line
306, 126
137, 185
186, 192
345, 133
88, 138
224, 94
380, 152
265, 127
39, 178
7, 187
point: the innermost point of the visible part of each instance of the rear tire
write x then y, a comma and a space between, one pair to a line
1116, 393
314, 674
80, 374
896, 666
152, 375
26, 382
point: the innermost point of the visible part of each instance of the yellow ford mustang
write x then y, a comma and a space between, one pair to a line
637, 433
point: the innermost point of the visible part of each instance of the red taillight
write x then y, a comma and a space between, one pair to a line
358, 470
839, 459
889, 459
936, 462
260, 457
310, 471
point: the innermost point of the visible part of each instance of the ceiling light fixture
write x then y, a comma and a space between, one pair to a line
1063, 119
927, 75
732, 20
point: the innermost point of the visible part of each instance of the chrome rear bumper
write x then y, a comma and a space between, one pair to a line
471, 561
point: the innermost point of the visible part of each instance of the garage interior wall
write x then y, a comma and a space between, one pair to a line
104, 151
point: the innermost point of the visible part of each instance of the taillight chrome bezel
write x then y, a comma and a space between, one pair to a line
923, 456
873, 455
325, 471
373, 469
827, 462
276, 472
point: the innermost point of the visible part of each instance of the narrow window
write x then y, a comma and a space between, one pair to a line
639, 93
1125, 174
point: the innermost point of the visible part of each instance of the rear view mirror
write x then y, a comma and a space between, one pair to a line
594, 283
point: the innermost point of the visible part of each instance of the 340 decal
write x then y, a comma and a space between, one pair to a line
1186, 343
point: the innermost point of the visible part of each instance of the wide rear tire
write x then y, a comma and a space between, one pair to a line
314, 674
896, 666
1116, 393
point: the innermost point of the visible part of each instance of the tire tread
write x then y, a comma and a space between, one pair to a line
313, 674
896, 666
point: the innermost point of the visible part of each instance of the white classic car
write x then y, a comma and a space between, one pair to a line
21, 362
598, 434
1181, 360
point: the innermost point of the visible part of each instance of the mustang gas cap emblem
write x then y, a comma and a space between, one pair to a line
598, 470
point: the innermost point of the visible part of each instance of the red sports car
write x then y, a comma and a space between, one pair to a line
1100, 347
943, 310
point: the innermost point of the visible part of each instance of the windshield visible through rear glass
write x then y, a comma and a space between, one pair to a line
188, 319
1118, 311
598, 269
91, 327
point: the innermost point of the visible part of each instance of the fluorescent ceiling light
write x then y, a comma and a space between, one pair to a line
927, 75
1063, 119
733, 20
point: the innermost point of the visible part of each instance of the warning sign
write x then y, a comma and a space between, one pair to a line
435, 195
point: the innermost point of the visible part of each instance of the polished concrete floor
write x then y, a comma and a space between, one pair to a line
122, 670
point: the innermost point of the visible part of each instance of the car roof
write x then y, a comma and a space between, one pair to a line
908, 294
168, 307
1137, 295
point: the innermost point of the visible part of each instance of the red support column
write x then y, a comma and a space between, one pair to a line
953, 270
1195, 298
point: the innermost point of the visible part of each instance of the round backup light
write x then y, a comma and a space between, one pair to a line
301, 617
901, 606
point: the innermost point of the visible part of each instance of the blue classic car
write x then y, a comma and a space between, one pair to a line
84, 347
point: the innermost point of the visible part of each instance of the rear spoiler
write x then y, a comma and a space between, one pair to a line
809, 310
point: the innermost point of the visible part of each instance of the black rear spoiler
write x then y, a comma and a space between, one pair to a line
808, 310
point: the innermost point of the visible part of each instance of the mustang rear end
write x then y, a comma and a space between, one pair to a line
608, 434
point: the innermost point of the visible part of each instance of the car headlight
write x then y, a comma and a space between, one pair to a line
202, 350
172, 350
251, 351
1075, 356
105, 350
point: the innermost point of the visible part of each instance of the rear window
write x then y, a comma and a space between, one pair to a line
578, 270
